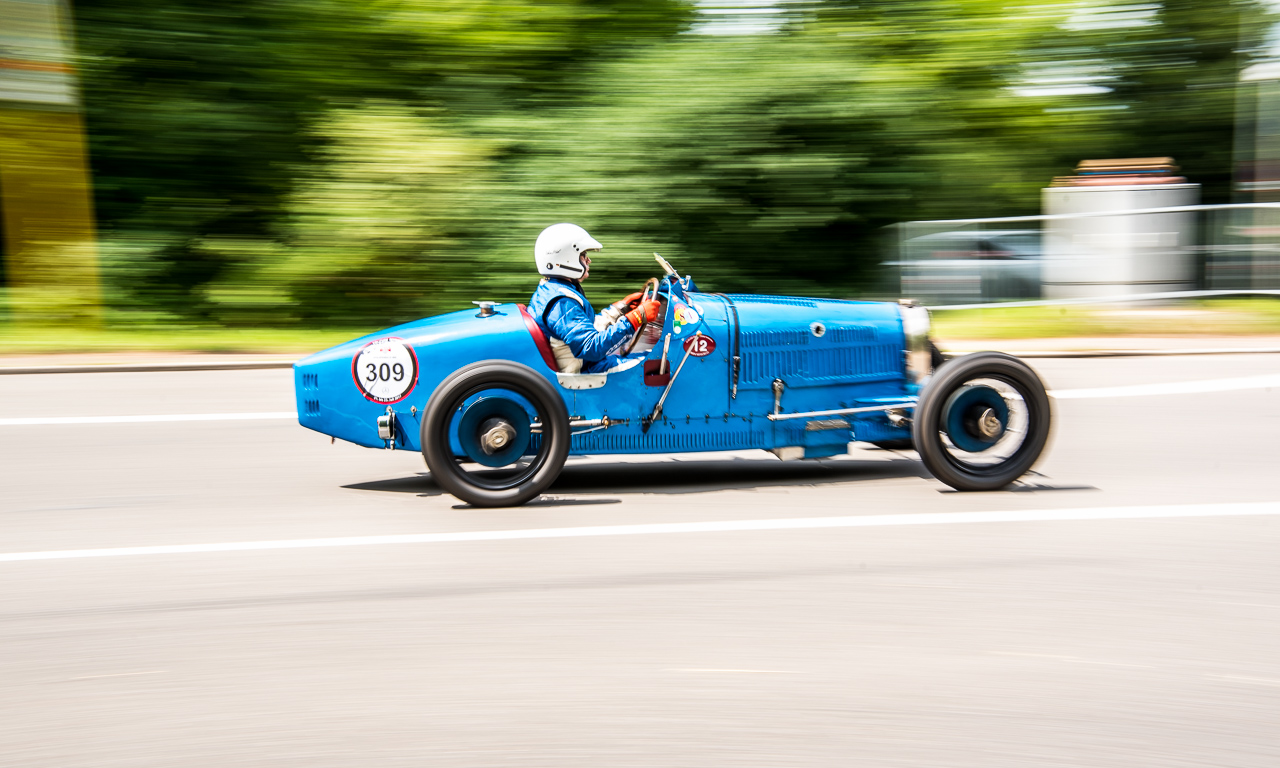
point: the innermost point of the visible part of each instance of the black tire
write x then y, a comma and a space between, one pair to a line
929, 425
473, 487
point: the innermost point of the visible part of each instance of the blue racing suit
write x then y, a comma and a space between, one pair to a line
561, 309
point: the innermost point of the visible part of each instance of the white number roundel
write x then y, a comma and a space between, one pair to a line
385, 370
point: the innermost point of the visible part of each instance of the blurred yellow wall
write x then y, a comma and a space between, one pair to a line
50, 254
46, 201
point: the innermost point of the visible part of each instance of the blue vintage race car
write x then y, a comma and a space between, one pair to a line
479, 393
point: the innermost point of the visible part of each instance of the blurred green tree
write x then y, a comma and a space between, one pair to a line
204, 119
373, 160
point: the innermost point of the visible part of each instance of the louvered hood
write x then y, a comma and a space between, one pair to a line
817, 341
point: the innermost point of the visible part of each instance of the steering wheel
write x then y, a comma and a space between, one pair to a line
645, 295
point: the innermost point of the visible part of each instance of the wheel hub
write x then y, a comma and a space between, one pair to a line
976, 417
989, 424
494, 431
496, 434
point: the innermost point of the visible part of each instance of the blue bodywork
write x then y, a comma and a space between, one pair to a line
829, 354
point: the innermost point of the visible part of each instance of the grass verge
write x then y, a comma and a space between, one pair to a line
1215, 317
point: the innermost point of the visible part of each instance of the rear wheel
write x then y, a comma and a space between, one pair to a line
495, 434
982, 421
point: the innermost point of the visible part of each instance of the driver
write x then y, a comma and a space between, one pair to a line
582, 341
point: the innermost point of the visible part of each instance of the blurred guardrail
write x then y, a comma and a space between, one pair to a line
1139, 254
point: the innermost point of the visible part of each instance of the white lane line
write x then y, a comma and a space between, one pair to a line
717, 526
1171, 388
118, 674
1071, 659
1252, 680
44, 420
740, 671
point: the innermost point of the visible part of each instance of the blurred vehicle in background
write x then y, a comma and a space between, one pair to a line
970, 266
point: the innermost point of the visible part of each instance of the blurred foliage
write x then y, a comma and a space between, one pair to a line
1212, 317
1235, 317
167, 337
346, 162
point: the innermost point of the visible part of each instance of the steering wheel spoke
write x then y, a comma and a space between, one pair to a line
648, 293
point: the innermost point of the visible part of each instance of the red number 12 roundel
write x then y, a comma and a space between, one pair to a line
700, 346
385, 370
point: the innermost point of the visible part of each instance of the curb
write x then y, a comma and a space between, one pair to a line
147, 367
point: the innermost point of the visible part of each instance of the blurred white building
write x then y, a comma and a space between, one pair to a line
1125, 253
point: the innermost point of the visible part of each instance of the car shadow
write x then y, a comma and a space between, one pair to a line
693, 476
1028, 487
554, 501
420, 484
682, 477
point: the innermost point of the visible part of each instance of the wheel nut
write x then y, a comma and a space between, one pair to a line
989, 423
496, 434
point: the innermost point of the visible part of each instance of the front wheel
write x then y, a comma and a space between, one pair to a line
495, 434
982, 421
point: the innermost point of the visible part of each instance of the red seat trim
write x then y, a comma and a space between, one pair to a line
539, 339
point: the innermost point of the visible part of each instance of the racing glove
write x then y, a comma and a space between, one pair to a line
647, 312
614, 312
627, 304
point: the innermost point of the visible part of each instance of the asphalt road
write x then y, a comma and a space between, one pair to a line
1033, 642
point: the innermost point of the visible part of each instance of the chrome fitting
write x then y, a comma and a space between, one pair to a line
387, 427
915, 331
496, 434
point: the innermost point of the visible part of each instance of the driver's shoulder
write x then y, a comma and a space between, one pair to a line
554, 289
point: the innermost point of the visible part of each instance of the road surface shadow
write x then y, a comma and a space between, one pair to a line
421, 484
553, 501
1024, 487
693, 476
937, 572
688, 476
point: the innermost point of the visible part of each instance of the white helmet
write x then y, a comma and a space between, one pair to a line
559, 249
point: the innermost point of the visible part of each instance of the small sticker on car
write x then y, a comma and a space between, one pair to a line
385, 370
684, 315
700, 346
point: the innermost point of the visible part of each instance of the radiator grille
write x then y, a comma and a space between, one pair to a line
869, 431
747, 298
664, 439
789, 433
852, 334
775, 338
852, 363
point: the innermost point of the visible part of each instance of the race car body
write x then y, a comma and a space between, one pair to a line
479, 393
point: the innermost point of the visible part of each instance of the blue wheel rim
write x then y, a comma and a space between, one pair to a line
963, 411
470, 427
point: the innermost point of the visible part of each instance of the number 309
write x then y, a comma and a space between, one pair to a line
385, 372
